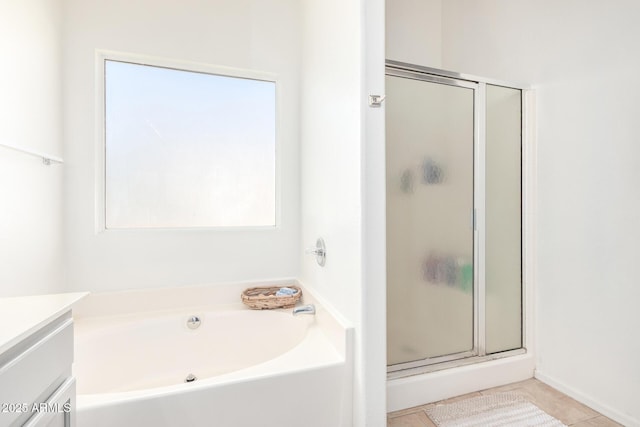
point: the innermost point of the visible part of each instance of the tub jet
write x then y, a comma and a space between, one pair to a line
190, 378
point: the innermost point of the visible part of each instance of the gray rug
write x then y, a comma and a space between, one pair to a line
500, 409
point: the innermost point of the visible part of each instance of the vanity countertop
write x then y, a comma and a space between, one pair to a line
21, 316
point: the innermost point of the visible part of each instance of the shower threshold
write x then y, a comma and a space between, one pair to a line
427, 366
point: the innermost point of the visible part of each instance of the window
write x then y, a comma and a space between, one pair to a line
186, 148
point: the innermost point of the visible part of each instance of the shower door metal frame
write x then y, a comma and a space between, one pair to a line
478, 85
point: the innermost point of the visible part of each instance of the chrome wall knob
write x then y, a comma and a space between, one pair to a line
320, 251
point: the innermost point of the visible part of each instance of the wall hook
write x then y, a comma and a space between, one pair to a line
376, 101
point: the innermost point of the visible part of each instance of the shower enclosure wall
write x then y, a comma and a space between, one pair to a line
454, 219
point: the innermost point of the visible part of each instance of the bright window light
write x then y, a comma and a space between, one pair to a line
188, 149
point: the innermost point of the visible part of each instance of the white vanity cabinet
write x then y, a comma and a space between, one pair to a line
36, 353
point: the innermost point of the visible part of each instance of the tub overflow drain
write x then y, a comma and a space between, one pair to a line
190, 378
193, 322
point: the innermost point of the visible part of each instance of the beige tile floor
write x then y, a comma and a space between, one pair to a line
556, 404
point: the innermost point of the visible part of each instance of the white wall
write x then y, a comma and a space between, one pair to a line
331, 163
414, 30
248, 34
343, 183
374, 342
330, 151
30, 192
581, 57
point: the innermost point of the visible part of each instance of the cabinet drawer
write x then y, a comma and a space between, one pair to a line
33, 373
59, 411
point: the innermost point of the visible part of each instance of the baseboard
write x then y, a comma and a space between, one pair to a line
403, 393
585, 399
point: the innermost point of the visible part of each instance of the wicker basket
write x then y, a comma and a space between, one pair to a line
264, 297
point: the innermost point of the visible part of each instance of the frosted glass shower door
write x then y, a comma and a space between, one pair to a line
430, 227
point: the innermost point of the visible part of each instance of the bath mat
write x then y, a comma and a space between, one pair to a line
500, 409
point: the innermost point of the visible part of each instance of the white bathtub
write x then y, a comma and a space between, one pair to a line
253, 368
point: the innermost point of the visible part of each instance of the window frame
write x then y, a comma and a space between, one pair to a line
101, 56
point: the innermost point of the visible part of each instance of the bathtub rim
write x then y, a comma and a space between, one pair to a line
133, 302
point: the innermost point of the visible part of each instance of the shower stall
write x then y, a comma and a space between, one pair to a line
454, 160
